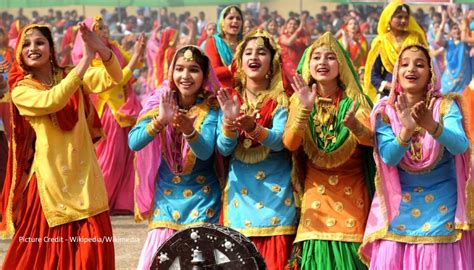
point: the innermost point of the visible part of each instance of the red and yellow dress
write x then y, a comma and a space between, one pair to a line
54, 199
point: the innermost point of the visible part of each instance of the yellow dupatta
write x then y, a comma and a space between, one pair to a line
386, 46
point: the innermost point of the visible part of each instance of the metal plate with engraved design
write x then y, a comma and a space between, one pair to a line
208, 246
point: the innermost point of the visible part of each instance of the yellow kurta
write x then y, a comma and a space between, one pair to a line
70, 182
116, 97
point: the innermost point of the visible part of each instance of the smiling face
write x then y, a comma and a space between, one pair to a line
323, 65
291, 26
414, 70
210, 29
455, 32
353, 25
272, 28
102, 31
232, 22
187, 76
399, 21
256, 60
36, 51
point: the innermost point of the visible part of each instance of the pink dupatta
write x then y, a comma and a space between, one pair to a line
148, 159
386, 202
132, 105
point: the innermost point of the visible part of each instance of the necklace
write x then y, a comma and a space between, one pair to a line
416, 148
325, 119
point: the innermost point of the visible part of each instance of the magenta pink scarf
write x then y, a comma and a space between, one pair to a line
132, 105
386, 202
148, 159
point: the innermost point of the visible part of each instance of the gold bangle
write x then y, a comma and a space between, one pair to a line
401, 142
437, 132
108, 62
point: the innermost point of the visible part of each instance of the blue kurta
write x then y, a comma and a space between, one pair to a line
258, 199
429, 199
458, 72
190, 199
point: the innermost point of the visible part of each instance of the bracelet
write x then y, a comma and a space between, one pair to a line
402, 142
188, 136
108, 61
438, 130
152, 131
435, 130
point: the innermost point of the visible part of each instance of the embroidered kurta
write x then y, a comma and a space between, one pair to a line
70, 182
335, 203
428, 205
258, 199
188, 199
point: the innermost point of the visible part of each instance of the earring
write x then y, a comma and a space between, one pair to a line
267, 76
388, 28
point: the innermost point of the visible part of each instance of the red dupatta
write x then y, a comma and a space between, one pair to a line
165, 53
23, 136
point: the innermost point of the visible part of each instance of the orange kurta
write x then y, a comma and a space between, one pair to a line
335, 203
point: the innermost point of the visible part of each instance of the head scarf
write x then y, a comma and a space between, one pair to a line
67, 44
347, 74
387, 200
152, 46
165, 52
269, 101
129, 108
148, 159
357, 51
22, 134
385, 46
224, 50
78, 49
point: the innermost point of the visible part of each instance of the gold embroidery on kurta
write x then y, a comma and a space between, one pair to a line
406, 197
187, 193
415, 212
194, 213
260, 175
330, 222
348, 190
176, 215
316, 205
209, 212
426, 227
429, 198
176, 179
200, 179
338, 206
333, 180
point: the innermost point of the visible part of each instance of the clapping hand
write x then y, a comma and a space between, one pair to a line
423, 115
167, 108
350, 121
306, 95
404, 113
230, 106
183, 123
247, 123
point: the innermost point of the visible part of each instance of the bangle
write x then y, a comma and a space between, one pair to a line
436, 129
437, 132
188, 136
402, 142
108, 61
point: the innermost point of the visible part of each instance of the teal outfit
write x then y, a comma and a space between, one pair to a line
429, 200
258, 199
458, 72
183, 200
